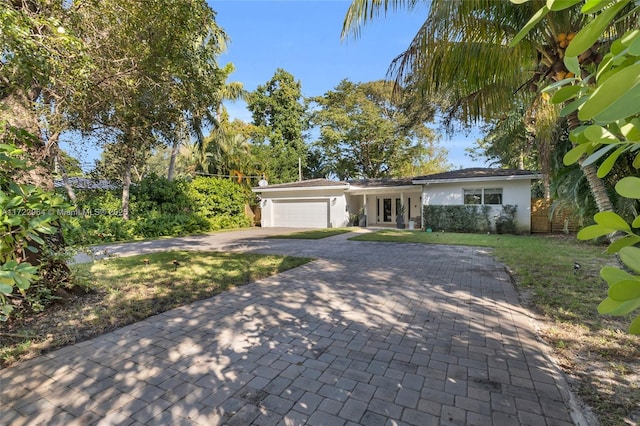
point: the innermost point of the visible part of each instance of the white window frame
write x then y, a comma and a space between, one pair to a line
481, 191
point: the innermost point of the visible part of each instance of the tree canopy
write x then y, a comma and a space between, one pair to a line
367, 132
279, 117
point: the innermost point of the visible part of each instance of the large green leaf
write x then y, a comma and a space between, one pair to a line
617, 98
561, 4
630, 256
537, 17
566, 93
611, 220
573, 106
625, 241
594, 231
631, 130
608, 164
600, 134
598, 155
634, 47
629, 38
592, 6
574, 154
591, 32
23, 283
613, 275
625, 290
14, 202
573, 64
629, 187
634, 328
614, 307
6, 288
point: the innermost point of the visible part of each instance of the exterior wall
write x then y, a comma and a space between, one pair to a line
514, 192
338, 216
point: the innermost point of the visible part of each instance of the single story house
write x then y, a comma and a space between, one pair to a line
322, 203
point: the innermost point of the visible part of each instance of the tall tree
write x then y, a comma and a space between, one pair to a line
156, 75
42, 65
279, 115
365, 132
460, 52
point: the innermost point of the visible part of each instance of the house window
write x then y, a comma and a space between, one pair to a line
493, 196
483, 196
473, 196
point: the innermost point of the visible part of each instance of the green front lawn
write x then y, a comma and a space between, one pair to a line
314, 234
592, 348
129, 289
403, 236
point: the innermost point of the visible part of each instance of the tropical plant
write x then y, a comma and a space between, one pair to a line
26, 214
460, 53
607, 101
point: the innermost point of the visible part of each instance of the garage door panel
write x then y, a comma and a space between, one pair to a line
301, 214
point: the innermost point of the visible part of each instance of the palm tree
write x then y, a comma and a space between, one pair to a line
461, 52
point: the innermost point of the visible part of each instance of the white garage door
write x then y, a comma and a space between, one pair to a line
301, 214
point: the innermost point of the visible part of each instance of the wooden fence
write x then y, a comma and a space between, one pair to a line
543, 223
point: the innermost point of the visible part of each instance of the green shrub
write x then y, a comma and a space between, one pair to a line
214, 197
158, 207
28, 225
506, 222
155, 193
158, 224
458, 218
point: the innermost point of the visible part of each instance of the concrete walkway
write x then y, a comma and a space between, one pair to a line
369, 334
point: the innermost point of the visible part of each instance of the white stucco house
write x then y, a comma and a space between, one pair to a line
322, 203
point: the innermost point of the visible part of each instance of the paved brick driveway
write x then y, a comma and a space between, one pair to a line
370, 334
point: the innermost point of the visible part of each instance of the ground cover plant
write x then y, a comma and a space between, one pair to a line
595, 351
129, 289
314, 234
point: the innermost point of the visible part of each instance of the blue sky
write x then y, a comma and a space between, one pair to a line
303, 37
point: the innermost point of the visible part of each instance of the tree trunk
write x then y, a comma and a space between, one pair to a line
598, 189
172, 159
125, 189
521, 160
65, 179
17, 111
59, 163
596, 185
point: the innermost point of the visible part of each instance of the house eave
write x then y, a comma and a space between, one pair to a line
355, 190
300, 188
477, 179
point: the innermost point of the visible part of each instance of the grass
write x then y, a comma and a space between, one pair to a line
602, 360
314, 234
130, 289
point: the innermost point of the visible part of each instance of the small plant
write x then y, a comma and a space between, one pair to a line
27, 213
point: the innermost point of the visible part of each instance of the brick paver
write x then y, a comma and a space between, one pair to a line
369, 333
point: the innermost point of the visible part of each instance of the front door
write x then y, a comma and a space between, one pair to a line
386, 209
